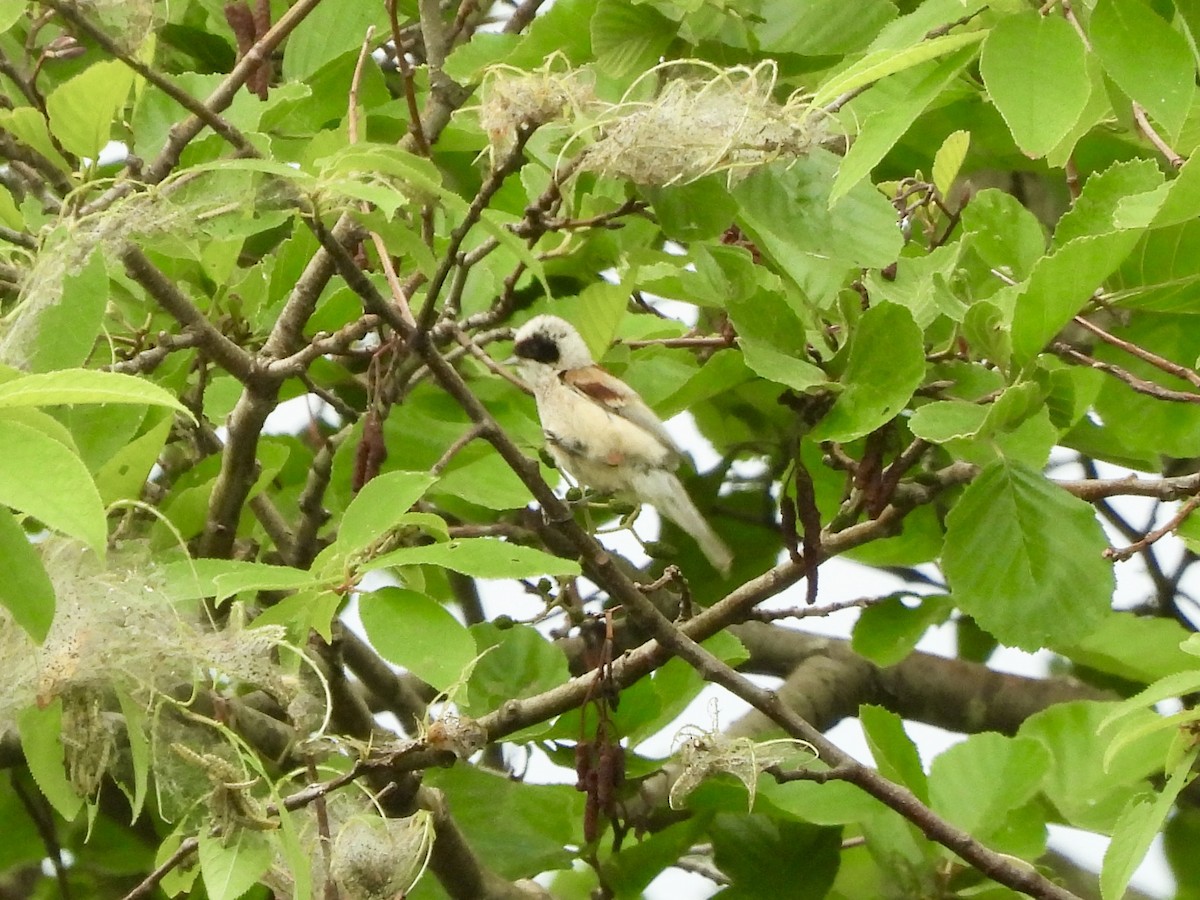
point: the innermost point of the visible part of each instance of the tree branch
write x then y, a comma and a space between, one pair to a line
224, 352
1141, 385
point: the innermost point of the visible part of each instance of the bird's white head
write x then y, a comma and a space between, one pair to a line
548, 345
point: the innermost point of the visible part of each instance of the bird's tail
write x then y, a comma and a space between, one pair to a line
665, 492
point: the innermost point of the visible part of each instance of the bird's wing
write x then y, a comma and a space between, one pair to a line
615, 396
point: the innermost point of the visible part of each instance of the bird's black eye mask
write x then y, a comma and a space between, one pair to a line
539, 348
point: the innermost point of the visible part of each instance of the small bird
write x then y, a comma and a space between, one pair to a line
601, 432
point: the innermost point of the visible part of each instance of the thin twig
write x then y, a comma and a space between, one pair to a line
1157, 534
469, 344
146, 887
225, 352
495, 180
198, 108
152, 357
184, 132
1141, 385
525, 13
1093, 489
44, 825
385, 258
694, 342
455, 447
410, 90
812, 612
1171, 368
20, 238
1144, 126
324, 836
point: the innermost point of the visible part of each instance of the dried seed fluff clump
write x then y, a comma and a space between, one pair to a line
513, 99
699, 119
702, 120
118, 651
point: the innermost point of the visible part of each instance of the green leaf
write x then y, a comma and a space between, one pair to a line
561, 28
11, 12
980, 783
232, 864
882, 63
41, 742
696, 211
82, 109
517, 829
1086, 792
1137, 648
1023, 557
125, 474
85, 386
893, 750
1180, 837
665, 696
887, 632
769, 857
67, 329
887, 363
1023, 54
514, 662
1171, 686
304, 610
1016, 405
831, 803
1181, 197
325, 34
22, 846
819, 27
41, 477
28, 126
986, 331
1160, 274
947, 162
629, 872
9, 214
923, 284
779, 367
479, 558
488, 481
814, 240
136, 730
418, 633
1142, 425
1141, 820
1004, 233
772, 341
629, 38
600, 308
377, 508
947, 420
296, 855
889, 110
1105, 195
25, 588
1147, 58
1061, 285
224, 578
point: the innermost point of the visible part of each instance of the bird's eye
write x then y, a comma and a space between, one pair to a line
537, 347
